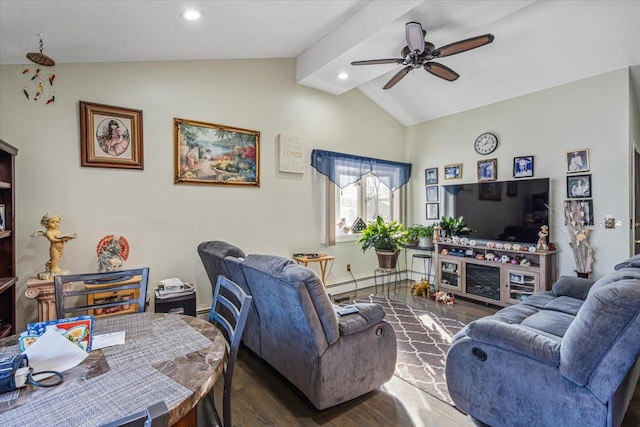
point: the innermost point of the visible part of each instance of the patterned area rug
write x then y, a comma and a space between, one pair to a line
423, 341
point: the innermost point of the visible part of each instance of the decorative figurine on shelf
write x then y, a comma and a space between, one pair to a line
542, 239
436, 232
342, 225
112, 253
51, 222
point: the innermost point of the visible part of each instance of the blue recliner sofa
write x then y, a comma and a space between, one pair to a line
565, 357
295, 328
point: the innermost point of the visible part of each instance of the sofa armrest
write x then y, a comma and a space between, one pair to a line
367, 315
515, 338
574, 287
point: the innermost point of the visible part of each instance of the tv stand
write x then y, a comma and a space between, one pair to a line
460, 272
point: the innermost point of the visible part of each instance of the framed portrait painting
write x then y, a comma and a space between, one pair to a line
578, 160
487, 170
207, 153
433, 211
523, 167
579, 186
453, 171
430, 176
110, 137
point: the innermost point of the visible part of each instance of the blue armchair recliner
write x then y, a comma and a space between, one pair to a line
565, 357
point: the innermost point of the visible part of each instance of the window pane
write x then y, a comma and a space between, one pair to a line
347, 206
377, 199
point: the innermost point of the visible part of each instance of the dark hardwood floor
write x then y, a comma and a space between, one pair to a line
262, 397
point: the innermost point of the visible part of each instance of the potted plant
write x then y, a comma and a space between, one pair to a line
386, 238
420, 234
454, 226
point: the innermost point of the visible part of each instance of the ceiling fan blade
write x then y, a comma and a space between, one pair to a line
378, 61
399, 75
441, 71
415, 37
462, 46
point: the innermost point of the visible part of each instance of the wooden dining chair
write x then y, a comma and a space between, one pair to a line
229, 311
156, 415
110, 293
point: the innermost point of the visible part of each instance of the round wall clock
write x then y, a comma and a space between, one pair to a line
486, 143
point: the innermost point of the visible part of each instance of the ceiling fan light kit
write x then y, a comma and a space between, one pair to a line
418, 53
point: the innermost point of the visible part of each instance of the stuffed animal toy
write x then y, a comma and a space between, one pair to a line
421, 288
445, 298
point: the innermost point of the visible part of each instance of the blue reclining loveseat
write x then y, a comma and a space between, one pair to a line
565, 357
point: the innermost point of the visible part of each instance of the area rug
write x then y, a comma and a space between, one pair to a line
423, 340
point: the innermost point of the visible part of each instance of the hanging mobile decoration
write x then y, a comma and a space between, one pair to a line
36, 87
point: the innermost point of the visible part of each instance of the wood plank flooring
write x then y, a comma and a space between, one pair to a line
262, 397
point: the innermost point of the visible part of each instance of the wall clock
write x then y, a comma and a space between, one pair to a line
486, 143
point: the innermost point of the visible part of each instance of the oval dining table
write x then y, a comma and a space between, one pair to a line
166, 357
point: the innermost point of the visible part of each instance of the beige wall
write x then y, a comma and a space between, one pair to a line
591, 113
164, 222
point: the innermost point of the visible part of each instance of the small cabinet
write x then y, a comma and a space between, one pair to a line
521, 284
449, 277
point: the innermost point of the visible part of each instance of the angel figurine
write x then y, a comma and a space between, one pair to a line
51, 222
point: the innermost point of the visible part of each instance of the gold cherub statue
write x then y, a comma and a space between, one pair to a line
51, 222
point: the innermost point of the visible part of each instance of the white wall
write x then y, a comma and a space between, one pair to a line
591, 113
164, 222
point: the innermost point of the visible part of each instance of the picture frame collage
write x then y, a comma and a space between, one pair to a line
579, 186
432, 191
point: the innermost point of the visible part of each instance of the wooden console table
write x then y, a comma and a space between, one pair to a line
321, 258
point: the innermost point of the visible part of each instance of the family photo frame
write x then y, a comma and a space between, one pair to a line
579, 186
523, 167
214, 154
110, 137
430, 176
453, 171
432, 193
487, 170
433, 211
578, 160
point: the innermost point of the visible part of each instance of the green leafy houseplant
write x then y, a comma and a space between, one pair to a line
382, 236
454, 226
419, 231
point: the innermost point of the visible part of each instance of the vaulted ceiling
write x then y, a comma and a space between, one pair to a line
538, 44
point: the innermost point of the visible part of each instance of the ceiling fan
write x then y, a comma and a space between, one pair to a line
419, 53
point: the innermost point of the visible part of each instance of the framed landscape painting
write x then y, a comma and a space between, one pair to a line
207, 153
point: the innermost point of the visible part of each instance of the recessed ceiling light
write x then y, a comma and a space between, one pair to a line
343, 76
191, 15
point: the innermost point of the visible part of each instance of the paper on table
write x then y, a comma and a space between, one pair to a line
107, 340
54, 352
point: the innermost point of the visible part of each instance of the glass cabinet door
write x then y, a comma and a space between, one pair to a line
449, 272
521, 284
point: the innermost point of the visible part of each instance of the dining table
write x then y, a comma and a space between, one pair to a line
165, 357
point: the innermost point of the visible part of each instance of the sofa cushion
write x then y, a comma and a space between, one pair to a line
621, 274
539, 300
572, 286
566, 305
633, 262
549, 321
606, 317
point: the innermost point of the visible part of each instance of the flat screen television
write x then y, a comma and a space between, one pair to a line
509, 211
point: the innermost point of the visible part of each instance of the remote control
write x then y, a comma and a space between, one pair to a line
347, 310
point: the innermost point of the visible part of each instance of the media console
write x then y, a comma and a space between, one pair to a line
500, 283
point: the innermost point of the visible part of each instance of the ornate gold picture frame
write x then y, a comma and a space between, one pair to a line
110, 137
208, 153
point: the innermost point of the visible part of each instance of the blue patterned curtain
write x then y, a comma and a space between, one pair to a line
345, 169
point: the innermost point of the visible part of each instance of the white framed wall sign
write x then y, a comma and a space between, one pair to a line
292, 159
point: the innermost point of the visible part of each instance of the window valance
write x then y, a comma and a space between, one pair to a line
345, 169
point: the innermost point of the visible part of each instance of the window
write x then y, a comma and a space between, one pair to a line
367, 188
366, 199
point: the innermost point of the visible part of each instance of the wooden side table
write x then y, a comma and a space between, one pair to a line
321, 258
